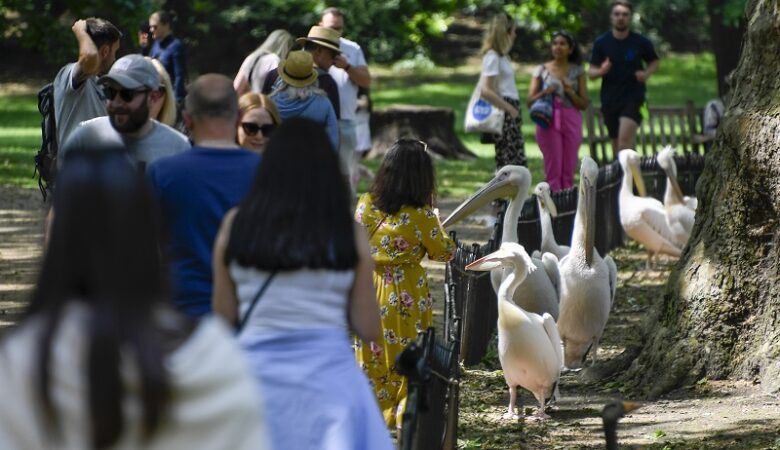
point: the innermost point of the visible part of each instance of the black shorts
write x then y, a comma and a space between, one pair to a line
613, 113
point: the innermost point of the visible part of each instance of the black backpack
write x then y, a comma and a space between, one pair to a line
46, 158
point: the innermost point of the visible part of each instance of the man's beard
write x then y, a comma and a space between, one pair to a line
621, 28
135, 118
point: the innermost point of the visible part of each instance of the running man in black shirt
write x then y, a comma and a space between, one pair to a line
624, 60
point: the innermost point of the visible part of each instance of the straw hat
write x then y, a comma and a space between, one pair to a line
298, 69
325, 37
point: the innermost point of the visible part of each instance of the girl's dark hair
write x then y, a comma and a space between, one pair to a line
297, 213
576, 55
405, 177
103, 253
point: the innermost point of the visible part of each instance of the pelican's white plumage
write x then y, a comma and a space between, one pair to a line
539, 292
643, 218
529, 347
588, 282
679, 216
547, 211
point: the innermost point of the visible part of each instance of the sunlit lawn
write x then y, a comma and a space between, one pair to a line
681, 78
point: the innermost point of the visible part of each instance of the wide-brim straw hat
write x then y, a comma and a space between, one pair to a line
298, 69
325, 37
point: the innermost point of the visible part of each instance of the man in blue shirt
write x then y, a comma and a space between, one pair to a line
196, 188
624, 60
169, 50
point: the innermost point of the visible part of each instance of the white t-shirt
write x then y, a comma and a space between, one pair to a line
73, 106
494, 65
259, 67
215, 401
347, 88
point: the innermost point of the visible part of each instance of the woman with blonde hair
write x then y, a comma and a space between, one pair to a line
163, 108
251, 75
498, 88
259, 118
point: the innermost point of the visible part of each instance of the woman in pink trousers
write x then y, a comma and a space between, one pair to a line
564, 78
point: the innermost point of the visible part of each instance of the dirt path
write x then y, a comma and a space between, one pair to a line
708, 415
21, 232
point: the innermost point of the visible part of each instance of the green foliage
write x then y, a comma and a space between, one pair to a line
44, 25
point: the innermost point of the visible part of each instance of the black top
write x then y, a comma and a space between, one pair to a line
324, 82
627, 56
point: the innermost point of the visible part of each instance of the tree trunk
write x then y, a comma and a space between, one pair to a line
726, 42
435, 126
720, 315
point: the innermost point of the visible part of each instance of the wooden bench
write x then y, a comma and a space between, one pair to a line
678, 126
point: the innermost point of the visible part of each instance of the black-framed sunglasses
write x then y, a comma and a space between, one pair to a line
251, 128
127, 95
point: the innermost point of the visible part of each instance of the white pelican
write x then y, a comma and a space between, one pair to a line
529, 347
539, 293
679, 216
588, 282
547, 211
665, 159
643, 218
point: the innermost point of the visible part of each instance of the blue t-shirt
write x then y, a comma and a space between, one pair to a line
194, 190
627, 55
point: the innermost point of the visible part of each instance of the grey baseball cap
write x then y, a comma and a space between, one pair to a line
133, 72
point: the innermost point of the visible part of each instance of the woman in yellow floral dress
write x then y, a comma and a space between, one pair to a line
403, 228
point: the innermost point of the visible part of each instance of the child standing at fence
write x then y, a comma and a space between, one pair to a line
403, 227
564, 79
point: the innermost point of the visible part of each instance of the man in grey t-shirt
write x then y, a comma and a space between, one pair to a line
129, 88
76, 94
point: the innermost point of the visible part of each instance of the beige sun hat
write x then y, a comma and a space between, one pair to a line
325, 37
298, 69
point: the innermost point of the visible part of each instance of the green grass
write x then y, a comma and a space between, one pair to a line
20, 138
680, 78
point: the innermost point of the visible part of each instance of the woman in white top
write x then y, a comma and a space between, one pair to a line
102, 360
251, 74
564, 78
293, 270
498, 88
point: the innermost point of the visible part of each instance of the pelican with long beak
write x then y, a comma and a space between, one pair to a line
539, 292
588, 282
643, 218
529, 347
547, 211
665, 159
679, 215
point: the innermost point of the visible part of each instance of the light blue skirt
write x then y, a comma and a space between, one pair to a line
315, 395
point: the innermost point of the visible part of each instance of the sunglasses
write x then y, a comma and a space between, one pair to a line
127, 95
251, 128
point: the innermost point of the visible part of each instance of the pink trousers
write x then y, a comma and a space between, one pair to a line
560, 146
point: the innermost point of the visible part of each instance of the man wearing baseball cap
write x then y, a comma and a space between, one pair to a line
129, 89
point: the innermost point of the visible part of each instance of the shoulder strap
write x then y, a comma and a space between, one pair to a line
259, 294
252, 69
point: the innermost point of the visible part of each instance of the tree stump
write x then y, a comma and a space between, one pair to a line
433, 125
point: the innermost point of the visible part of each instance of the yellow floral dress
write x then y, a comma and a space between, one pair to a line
400, 242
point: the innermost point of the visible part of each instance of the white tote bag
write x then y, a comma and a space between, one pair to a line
481, 115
